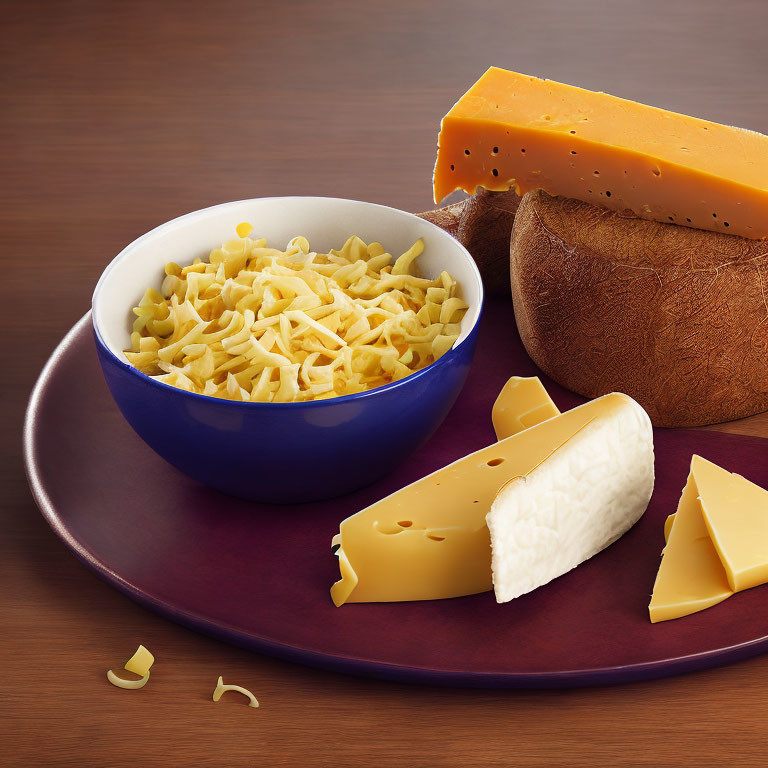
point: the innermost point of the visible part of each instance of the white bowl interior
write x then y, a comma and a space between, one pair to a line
326, 222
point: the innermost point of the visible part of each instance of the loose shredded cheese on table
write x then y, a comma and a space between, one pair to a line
222, 689
139, 664
258, 324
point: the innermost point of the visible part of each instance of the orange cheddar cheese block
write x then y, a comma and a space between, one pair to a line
513, 130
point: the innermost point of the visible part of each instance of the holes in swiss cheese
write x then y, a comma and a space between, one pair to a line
453, 167
495, 151
495, 462
495, 172
467, 152
435, 538
405, 523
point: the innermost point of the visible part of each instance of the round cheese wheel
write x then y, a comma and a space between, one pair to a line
675, 317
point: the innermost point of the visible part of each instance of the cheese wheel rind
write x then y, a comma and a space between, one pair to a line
676, 318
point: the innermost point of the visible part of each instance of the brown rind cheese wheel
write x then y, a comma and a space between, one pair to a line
675, 317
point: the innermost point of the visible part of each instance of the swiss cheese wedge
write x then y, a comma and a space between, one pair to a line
513, 130
717, 543
430, 539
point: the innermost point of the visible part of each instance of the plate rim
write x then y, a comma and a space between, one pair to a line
595, 676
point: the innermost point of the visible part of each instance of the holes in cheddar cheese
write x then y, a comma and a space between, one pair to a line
476, 501
435, 538
522, 150
571, 131
495, 172
495, 462
467, 152
495, 151
714, 215
726, 224
607, 192
405, 523
597, 173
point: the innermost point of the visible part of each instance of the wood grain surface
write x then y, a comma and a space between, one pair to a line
117, 116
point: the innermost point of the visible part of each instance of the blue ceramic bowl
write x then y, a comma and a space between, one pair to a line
282, 452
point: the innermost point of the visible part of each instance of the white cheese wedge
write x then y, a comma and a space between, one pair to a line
429, 540
579, 500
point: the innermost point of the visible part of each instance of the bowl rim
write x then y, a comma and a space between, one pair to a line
339, 400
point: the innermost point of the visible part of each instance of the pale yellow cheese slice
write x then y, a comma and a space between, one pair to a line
430, 540
736, 516
717, 543
523, 402
691, 576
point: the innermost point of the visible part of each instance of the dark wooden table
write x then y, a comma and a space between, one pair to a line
117, 116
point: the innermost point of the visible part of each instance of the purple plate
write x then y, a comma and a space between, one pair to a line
259, 575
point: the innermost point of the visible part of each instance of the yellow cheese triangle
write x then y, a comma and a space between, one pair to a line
691, 576
522, 403
430, 540
735, 512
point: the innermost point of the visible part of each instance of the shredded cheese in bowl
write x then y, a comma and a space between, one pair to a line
254, 323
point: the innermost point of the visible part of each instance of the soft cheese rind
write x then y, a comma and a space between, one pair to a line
581, 499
